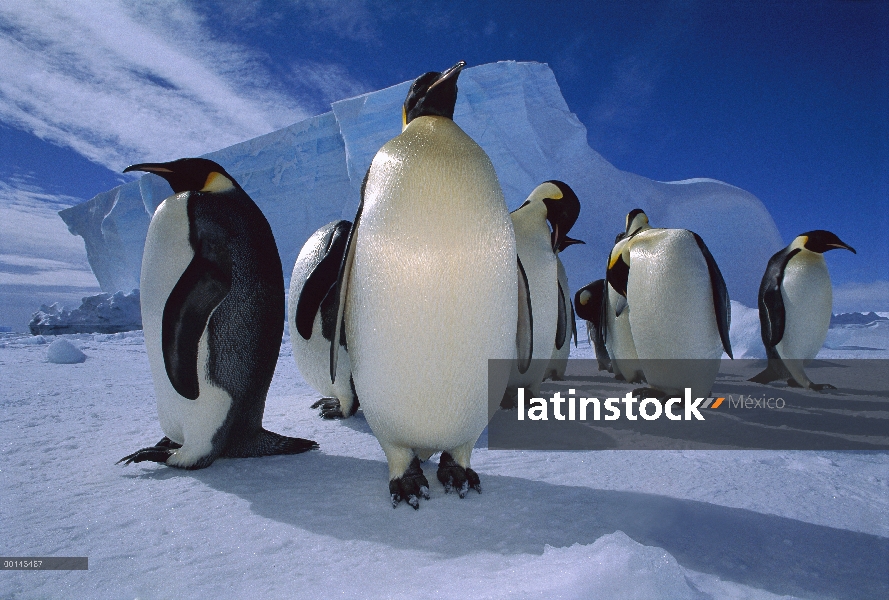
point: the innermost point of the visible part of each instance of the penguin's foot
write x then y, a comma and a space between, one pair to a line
158, 454
619, 376
410, 487
454, 477
821, 386
330, 408
510, 399
650, 392
168, 443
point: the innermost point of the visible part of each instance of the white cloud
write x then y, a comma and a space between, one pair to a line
861, 297
122, 83
36, 248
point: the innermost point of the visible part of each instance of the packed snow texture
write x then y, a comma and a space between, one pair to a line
63, 352
102, 313
608, 524
310, 173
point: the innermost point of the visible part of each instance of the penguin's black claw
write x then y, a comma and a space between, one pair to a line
167, 443
410, 487
821, 386
650, 392
454, 477
158, 454
330, 408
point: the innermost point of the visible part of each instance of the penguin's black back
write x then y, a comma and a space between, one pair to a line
246, 329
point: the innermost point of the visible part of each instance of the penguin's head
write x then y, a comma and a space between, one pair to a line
588, 301
618, 271
637, 221
190, 175
433, 94
559, 203
821, 241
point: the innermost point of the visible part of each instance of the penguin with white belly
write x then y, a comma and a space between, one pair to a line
311, 314
678, 304
795, 305
562, 349
212, 295
428, 293
537, 247
615, 329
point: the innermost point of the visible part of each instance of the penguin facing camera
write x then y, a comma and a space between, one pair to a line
589, 301
679, 311
212, 295
311, 314
552, 202
421, 315
795, 304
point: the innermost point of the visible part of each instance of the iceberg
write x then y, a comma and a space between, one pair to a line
102, 313
310, 173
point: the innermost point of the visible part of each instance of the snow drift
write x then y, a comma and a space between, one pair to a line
310, 173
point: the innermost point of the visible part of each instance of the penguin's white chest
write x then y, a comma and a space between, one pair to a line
166, 255
432, 291
541, 268
808, 301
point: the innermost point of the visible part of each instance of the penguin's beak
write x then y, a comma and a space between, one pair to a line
561, 214
842, 246
149, 168
453, 72
568, 241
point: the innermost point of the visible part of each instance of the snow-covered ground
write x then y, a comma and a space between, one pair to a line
608, 524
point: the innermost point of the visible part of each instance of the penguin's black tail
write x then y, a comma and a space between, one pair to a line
776, 370
267, 443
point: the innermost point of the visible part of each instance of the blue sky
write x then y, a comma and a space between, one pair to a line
788, 100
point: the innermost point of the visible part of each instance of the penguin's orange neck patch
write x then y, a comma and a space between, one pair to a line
217, 182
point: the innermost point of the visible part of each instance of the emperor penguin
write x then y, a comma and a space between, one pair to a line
589, 301
562, 349
795, 303
679, 311
615, 328
556, 203
428, 293
311, 313
212, 295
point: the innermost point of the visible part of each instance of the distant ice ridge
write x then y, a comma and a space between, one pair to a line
102, 313
310, 173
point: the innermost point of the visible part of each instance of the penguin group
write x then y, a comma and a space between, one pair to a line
399, 310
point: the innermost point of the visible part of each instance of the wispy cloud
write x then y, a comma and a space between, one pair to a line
36, 248
121, 82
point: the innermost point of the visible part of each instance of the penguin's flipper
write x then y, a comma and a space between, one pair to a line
343, 284
771, 303
322, 279
525, 329
561, 319
573, 321
203, 285
722, 307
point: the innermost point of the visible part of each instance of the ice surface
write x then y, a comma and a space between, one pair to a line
310, 173
102, 313
733, 524
63, 352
